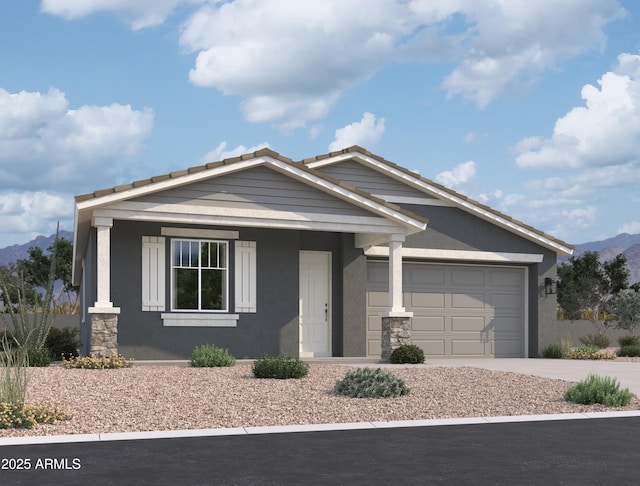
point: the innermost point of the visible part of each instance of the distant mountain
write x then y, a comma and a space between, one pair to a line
623, 240
16, 252
628, 245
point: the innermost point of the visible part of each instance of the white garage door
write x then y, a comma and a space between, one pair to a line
458, 310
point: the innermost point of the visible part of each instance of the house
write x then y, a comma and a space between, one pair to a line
344, 254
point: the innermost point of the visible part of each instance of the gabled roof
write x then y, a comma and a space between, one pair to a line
441, 192
386, 218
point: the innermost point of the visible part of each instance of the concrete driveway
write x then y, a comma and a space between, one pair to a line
626, 372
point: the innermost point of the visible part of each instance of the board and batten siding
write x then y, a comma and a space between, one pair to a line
257, 188
369, 180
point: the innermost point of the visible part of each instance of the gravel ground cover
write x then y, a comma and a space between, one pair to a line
146, 398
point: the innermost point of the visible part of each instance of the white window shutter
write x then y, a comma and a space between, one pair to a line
153, 273
245, 276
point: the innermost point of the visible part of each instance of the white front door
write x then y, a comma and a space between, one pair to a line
315, 301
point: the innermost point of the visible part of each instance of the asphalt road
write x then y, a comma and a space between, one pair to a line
559, 452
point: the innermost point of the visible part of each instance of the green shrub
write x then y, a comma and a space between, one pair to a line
407, 353
554, 351
279, 367
208, 356
38, 357
92, 363
370, 383
62, 343
588, 352
597, 339
21, 416
598, 389
629, 340
631, 351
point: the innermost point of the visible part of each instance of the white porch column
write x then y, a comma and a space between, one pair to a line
103, 263
396, 321
103, 316
395, 274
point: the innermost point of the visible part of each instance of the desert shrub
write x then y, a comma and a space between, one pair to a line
93, 363
371, 383
208, 356
28, 416
588, 352
14, 375
62, 343
629, 340
7, 337
631, 351
279, 367
407, 353
596, 339
598, 389
38, 357
554, 351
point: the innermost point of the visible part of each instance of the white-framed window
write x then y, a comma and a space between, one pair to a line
199, 275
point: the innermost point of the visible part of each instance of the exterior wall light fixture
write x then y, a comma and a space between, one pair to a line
550, 286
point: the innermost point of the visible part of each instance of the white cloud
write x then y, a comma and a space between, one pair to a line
632, 227
510, 43
291, 61
141, 13
221, 152
366, 133
606, 131
42, 140
33, 213
460, 175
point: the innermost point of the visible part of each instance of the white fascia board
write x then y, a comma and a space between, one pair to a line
172, 214
416, 182
467, 255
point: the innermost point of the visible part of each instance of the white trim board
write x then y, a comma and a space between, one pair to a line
467, 255
200, 233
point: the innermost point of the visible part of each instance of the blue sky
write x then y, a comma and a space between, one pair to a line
532, 108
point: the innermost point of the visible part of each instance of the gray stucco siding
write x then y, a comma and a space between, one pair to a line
454, 229
258, 188
370, 180
273, 329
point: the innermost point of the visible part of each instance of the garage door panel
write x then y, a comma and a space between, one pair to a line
504, 278
467, 348
468, 324
507, 325
427, 300
377, 299
459, 311
506, 302
506, 348
374, 347
468, 301
374, 323
427, 324
421, 278
467, 277
431, 347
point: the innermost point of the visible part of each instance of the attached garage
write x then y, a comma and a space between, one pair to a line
471, 311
